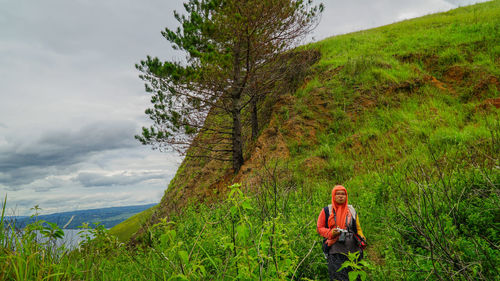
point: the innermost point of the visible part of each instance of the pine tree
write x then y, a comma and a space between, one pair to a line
233, 49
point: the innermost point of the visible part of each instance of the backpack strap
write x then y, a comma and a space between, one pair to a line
327, 211
352, 210
353, 218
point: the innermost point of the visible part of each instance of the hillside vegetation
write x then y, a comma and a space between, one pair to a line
369, 88
405, 116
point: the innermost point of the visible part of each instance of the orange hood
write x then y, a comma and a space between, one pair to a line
341, 210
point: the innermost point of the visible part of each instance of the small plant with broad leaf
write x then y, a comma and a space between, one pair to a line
358, 267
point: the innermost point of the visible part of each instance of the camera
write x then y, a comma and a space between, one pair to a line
342, 235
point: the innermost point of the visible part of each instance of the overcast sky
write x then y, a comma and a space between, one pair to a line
71, 101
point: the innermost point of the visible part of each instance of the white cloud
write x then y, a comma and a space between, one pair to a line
347, 16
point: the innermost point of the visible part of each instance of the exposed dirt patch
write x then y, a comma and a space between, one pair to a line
495, 102
270, 143
431, 61
299, 128
330, 73
409, 58
427, 59
314, 164
484, 85
435, 82
385, 95
367, 102
456, 74
353, 143
406, 86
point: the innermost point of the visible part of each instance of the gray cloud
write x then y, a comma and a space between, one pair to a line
55, 152
15, 179
68, 147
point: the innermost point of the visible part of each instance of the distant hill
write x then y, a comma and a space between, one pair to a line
108, 217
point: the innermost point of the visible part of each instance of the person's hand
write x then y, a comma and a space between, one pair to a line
334, 233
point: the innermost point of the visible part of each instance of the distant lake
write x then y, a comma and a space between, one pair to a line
70, 240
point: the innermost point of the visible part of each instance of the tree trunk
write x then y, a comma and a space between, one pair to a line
255, 119
237, 139
237, 90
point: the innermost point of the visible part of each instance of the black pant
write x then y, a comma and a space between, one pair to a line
335, 261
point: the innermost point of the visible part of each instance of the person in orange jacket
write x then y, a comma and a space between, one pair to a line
342, 232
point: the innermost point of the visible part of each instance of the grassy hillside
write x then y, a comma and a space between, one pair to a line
363, 79
124, 230
382, 110
405, 116
372, 85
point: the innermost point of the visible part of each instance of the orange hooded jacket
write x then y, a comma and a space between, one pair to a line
342, 212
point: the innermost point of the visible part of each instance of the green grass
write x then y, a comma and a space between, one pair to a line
124, 230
